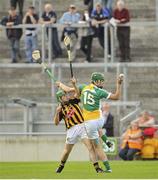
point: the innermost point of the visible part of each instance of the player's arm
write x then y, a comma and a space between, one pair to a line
135, 136
116, 95
52, 21
64, 87
77, 91
57, 117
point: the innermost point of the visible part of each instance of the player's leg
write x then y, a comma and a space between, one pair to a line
64, 157
71, 139
100, 153
92, 128
92, 154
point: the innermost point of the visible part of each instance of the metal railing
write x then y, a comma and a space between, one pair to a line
125, 121
120, 67
29, 124
48, 44
26, 118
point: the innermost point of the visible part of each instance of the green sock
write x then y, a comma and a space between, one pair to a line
104, 138
107, 165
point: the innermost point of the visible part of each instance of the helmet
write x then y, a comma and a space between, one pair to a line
59, 94
96, 76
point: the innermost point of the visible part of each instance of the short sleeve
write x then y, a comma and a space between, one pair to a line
93, 13
53, 15
104, 94
78, 16
81, 87
106, 13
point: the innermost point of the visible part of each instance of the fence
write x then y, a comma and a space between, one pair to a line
120, 67
80, 27
23, 117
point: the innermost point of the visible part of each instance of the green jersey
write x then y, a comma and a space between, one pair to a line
90, 98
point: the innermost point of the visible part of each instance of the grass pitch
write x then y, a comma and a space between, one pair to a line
79, 170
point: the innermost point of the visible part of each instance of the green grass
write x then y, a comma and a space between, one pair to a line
78, 170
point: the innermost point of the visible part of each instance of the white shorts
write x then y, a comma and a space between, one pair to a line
92, 127
75, 133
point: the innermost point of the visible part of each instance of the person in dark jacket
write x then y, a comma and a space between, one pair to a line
13, 35
99, 17
49, 17
108, 120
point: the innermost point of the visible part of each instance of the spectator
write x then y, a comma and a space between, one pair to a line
106, 4
121, 15
49, 17
99, 17
68, 18
132, 142
156, 144
13, 35
31, 33
14, 3
146, 119
86, 40
108, 120
150, 146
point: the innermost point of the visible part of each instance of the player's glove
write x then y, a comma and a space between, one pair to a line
109, 144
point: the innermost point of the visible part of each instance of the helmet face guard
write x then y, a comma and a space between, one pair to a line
59, 95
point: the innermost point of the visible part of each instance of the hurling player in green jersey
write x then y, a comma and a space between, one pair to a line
90, 97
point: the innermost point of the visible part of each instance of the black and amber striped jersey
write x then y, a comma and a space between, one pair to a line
71, 113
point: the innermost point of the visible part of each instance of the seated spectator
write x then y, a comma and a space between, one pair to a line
108, 120
87, 37
68, 18
150, 147
99, 17
146, 119
50, 17
30, 17
131, 142
14, 3
121, 15
156, 144
13, 35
